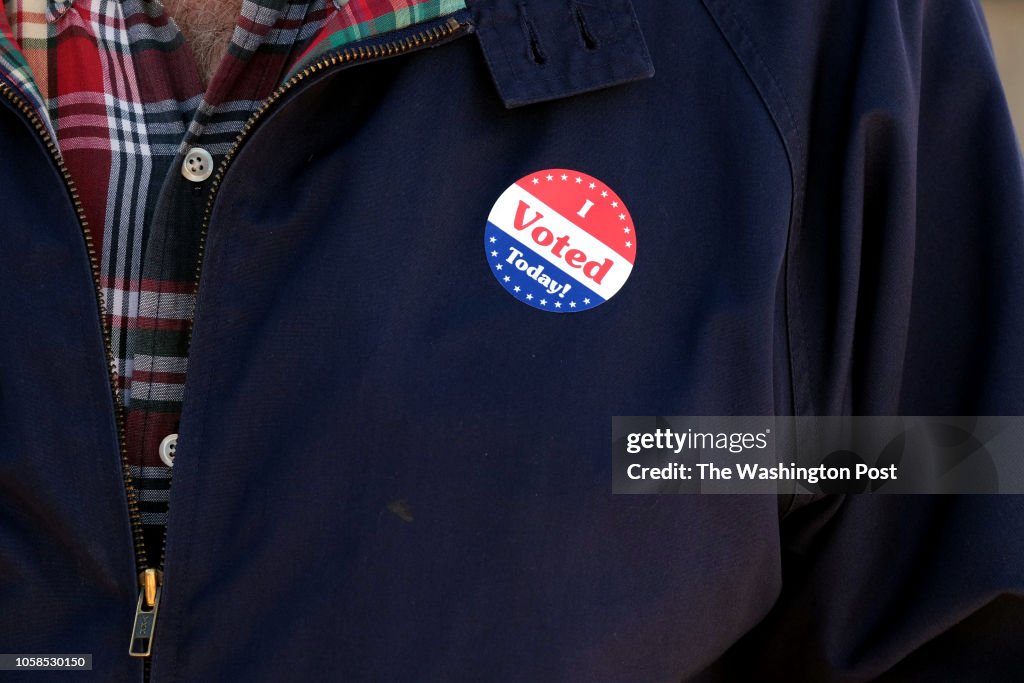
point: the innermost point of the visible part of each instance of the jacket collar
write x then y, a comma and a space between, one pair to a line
537, 50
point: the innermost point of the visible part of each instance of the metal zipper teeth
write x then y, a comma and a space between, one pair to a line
347, 57
133, 499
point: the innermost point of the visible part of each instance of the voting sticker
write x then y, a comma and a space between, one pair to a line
560, 241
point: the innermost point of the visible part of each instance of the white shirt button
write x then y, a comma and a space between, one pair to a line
198, 165
167, 448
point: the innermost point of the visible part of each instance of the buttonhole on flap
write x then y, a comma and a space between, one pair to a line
590, 41
536, 49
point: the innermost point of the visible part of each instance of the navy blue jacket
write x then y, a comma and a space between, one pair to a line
390, 470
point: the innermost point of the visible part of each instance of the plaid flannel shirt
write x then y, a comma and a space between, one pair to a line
118, 89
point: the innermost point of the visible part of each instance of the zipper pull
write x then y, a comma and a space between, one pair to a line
150, 582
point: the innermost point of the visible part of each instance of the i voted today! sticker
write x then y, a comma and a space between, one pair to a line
560, 241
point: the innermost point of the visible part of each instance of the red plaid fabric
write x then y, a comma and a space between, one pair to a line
123, 98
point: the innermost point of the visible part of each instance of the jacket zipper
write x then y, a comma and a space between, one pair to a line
134, 514
151, 578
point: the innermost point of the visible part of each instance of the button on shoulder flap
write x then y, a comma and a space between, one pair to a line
540, 50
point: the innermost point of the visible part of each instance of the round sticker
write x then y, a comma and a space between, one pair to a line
560, 241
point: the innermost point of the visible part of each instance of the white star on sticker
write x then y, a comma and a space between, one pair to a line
565, 177
494, 253
507, 278
622, 216
578, 180
493, 240
516, 288
529, 297
558, 304
615, 205
543, 302
586, 302
499, 266
593, 186
628, 245
536, 182
604, 193
550, 178
572, 304
625, 230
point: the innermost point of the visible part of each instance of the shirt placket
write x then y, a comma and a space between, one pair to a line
160, 359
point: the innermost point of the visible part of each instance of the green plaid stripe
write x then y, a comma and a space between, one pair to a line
385, 23
14, 68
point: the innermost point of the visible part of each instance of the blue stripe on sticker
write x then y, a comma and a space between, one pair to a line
532, 279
